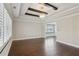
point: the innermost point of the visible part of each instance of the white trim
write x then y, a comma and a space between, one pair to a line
67, 10
27, 38
60, 12
66, 16
70, 44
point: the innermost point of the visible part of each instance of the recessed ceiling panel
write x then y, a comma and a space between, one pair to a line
19, 9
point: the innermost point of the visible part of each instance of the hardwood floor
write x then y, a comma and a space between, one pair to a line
42, 47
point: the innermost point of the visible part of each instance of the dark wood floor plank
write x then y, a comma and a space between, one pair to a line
42, 47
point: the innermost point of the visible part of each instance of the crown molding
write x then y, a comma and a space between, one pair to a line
62, 11
62, 15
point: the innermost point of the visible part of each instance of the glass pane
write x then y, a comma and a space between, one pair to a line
50, 28
5, 26
1, 25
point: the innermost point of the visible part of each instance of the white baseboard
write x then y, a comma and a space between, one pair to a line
27, 38
73, 45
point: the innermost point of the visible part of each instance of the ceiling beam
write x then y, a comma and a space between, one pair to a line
35, 10
16, 9
55, 8
31, 14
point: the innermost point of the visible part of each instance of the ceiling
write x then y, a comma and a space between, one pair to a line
19, 9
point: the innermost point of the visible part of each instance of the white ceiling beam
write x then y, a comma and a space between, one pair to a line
16, 9
24, 8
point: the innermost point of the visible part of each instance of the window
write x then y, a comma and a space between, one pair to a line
5, 27
50, 28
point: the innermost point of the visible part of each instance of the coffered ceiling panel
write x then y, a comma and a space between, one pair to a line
19, 9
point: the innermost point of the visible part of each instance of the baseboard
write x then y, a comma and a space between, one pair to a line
28, 38
73, 45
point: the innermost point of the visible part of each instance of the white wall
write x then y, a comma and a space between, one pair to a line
64, 30
67, 26
27, 29
67, 29
75, 30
